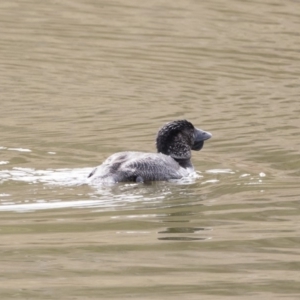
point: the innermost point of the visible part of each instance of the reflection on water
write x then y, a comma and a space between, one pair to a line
82, 80
102, 196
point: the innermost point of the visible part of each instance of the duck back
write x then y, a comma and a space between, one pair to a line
138, 167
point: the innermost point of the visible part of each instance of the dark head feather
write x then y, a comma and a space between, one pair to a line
176, 139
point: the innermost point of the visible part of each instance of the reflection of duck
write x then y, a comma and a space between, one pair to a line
174, 143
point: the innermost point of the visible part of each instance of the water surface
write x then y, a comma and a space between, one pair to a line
81, 80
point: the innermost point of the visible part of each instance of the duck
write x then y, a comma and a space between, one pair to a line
174, 142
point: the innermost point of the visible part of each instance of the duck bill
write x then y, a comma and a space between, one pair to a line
200, 137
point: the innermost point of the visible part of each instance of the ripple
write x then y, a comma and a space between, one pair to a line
62, 177
19, 149
220, 171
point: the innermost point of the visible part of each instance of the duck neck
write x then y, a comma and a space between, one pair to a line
184, 163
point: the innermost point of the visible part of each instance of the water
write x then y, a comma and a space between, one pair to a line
81, 80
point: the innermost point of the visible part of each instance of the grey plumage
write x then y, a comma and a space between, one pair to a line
174, 143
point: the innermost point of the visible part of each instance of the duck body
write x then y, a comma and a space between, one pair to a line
174, 142
139, 167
